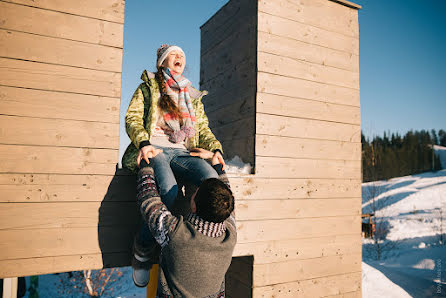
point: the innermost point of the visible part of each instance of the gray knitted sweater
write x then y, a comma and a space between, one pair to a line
195, 253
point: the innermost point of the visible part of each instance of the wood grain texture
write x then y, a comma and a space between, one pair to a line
275, 273
307, 33
58, 132
307, 128
267, 252
252, 188
292, 87
305, 108
315, 287
15, 45
286, 229
60, 215
41, 188
296, 49
112, 11
60, 25
32, 159
58, 105
34, 75
54, 264
299, 208
279, 167
289, 67
319, 13
306, 148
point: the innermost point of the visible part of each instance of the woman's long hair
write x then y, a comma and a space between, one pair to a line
165, 102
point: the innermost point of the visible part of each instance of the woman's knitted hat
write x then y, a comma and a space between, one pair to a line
163, 51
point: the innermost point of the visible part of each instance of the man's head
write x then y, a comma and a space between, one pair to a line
213, 201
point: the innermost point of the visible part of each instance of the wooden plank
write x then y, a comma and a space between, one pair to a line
34, 75
265, 252
304, 51
109, 10
52, 242
298, 88
241, 109
298, 208
227, 22
299, 69
61, 25
58, 132
276, 273
227, 55
253, 188
306, 148
222, 98
66, 188
307, 33
315, 287
319, 13
354, 294
15, 45
47, 265
235, 130
307, 128
49, 104
279, 167
309, 109
60, 215
57, 160
285, 229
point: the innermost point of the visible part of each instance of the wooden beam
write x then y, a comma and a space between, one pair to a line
41, 76
61, 52
49, 23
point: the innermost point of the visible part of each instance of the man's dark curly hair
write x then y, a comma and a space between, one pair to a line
214, 200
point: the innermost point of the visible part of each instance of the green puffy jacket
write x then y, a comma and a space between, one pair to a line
140, 120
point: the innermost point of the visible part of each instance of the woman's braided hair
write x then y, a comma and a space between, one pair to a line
165, 103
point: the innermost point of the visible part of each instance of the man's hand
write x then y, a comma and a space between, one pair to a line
147, 152
206, 154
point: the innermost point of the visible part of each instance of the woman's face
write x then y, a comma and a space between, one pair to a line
175, 61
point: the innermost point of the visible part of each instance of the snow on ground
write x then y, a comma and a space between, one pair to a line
376, 284
411, 215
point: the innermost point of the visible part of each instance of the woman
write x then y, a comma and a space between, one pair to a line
167, 124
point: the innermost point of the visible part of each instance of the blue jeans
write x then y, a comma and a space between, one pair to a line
168, 165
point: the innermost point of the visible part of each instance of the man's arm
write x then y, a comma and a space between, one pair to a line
155, 214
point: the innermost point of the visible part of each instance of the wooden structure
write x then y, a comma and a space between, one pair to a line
284, 95
283, 82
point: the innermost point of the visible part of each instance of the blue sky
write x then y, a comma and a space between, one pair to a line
402, 52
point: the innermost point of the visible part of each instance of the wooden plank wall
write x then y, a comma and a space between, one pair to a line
299, 215
228, 73
60, 81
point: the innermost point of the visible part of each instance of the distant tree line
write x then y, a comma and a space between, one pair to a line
395, 156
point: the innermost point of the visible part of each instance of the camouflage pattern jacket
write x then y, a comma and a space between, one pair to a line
140, 120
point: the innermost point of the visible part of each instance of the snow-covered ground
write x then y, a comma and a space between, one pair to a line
410, 217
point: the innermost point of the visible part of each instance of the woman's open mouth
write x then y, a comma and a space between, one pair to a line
178, 63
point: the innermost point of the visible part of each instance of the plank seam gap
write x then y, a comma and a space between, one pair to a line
318, 82
276, 219
306, 138
311, 99
308, 158
305, 118
65, 146
322, 257
63, 12
270, 285
79, 120
49, 90
62, 38
306, 24
314, 44
65, 65
308, 62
